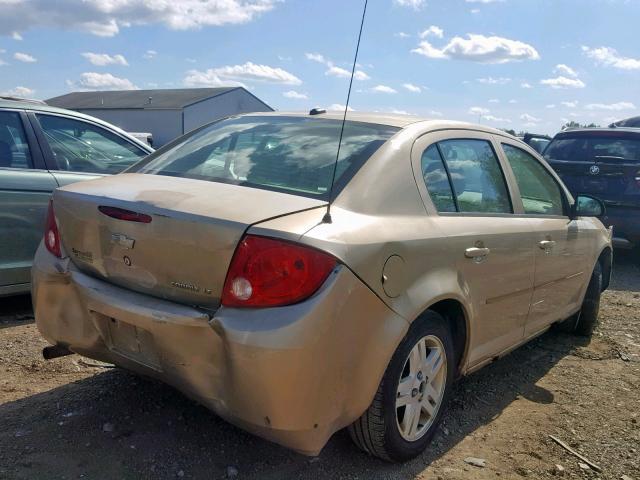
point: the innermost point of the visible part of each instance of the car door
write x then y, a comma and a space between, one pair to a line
463, 179
562, 246
25, 187
76, 149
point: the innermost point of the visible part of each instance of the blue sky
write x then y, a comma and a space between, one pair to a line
522, 64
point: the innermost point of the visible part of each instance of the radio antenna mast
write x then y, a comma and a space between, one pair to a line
327, 216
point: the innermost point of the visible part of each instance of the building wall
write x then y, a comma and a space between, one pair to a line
237, 101
164, 125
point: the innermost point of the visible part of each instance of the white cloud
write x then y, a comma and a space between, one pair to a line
493, 118
479, 111
609, 57
494, 100
525, 85
383, 89
415, 4
19, 92
616, 107
340, 72
494, 81
428, 50
106, 17
295, 95
513, 101
529, 118
102, 59
484, 1
432, 31
236, 74
563, 82
16, 36
24, 57
401, 35
573, 104
435, 113
563, 69
316, 57
551, 105
102, 81
149, 54
412, 88
396, 111
339, 108
479, 48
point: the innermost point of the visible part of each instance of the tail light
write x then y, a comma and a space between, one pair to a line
267, 272
51, 235
124, 214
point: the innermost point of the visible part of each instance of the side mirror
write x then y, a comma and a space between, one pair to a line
587, 206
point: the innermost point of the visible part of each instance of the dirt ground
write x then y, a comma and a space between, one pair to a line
72, 418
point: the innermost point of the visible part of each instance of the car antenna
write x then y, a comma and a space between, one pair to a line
327, 216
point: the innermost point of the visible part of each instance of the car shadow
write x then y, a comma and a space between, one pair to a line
626, 271
117, 425
15, 310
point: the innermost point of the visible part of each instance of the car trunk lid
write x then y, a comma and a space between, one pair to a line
183, 252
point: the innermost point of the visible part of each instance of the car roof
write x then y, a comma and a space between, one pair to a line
390, 119
601, 131
38, 106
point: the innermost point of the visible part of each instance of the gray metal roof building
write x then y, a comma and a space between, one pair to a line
165, 113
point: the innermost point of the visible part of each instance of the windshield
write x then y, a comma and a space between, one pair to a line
290, 154
593, 148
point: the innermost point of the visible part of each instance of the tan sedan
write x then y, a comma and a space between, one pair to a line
215, 266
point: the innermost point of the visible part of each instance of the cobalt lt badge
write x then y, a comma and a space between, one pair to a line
594, 170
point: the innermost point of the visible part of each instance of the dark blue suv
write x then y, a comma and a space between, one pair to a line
605, 163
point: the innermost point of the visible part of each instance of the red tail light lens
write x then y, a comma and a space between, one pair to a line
266, 272
124, 214
51, 235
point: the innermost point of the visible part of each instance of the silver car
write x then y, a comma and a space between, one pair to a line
217, 266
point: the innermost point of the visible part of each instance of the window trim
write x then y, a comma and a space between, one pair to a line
567, 199
49, 158
426, 139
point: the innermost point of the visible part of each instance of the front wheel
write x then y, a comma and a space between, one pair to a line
410, 401
586, 320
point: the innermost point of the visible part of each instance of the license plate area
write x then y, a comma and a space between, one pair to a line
130, 341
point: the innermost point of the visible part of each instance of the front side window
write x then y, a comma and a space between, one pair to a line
290, 154
478, 182
436, 180
83, 147
539, 191
14, 149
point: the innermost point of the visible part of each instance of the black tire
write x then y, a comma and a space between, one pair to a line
377, 431
586, 320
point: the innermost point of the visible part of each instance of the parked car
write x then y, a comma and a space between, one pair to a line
42, 148
633, 122
143, 137
605, 163
536, 141
216, 265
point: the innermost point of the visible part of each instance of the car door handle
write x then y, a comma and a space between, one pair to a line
476, 252
546, 244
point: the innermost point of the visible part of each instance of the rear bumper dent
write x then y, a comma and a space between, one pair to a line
293, 375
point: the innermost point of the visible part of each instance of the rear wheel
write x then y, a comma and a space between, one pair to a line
412, 395
586, 320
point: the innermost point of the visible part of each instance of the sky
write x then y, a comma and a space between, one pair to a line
519, 64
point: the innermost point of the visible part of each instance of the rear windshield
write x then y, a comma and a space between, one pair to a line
593, 148
290, 154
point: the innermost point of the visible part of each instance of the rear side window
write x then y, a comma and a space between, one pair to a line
539, 191
14, 149
436, 179
478, 183
83, 147
593, 148
290, 154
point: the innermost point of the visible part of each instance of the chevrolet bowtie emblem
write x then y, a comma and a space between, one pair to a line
122, 240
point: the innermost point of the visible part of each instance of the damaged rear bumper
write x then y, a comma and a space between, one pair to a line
293, 375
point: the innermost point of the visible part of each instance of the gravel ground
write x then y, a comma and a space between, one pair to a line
74, 418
